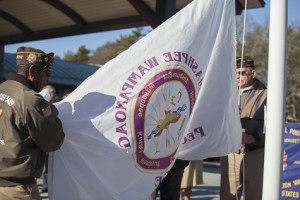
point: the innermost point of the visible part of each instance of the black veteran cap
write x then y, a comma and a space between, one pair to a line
29, 56
247, 62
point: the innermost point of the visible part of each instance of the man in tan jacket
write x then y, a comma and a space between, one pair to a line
242, 172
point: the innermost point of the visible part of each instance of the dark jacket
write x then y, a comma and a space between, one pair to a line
179, 165
27, 131
252, 113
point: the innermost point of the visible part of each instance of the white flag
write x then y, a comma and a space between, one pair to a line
125, 123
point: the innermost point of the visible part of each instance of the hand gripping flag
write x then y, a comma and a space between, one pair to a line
174, 89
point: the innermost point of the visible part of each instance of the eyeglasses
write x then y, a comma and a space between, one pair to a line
242, 73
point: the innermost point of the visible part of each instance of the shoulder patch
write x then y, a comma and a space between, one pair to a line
47, 111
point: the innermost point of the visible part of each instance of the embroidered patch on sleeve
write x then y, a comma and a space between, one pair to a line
47, 111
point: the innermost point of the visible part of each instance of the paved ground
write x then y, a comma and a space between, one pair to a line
207, 191
211, 178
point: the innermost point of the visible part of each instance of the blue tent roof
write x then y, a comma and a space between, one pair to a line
63, 72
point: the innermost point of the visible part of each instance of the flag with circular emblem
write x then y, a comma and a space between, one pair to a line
156, 101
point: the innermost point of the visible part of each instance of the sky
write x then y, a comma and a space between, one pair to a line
60, 46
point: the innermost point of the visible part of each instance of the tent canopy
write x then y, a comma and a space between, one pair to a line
28, 20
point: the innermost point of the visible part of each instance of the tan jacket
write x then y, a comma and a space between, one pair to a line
252, 113
27, 131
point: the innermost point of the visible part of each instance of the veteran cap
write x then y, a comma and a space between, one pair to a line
30, 56
247, 62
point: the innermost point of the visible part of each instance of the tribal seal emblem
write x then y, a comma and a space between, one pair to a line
161, 111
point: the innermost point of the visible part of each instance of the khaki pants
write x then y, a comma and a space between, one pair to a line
231, 180
232, 175
21, 192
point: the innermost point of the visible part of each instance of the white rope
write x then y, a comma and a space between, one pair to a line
243, 44
242, 58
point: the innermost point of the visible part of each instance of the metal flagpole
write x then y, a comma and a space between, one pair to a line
275, 100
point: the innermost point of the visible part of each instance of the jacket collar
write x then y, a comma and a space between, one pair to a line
257, 85
21, 79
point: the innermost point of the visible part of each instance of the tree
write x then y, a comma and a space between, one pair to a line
69, 56
110, 50
257, 46
57, 58
82, 55
293, 71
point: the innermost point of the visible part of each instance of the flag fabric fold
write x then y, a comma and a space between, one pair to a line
171, 94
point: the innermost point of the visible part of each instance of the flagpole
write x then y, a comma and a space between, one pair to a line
275, 100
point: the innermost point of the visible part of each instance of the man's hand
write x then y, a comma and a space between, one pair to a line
54, 111
247, 139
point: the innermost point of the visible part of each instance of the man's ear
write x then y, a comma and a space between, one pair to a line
31, 70
254, 73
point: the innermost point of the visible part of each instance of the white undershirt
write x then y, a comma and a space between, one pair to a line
246, 88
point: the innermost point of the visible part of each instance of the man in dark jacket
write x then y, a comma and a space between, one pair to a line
29, 126
169, 187
253, 94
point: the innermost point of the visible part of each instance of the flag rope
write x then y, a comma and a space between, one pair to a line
242, 57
